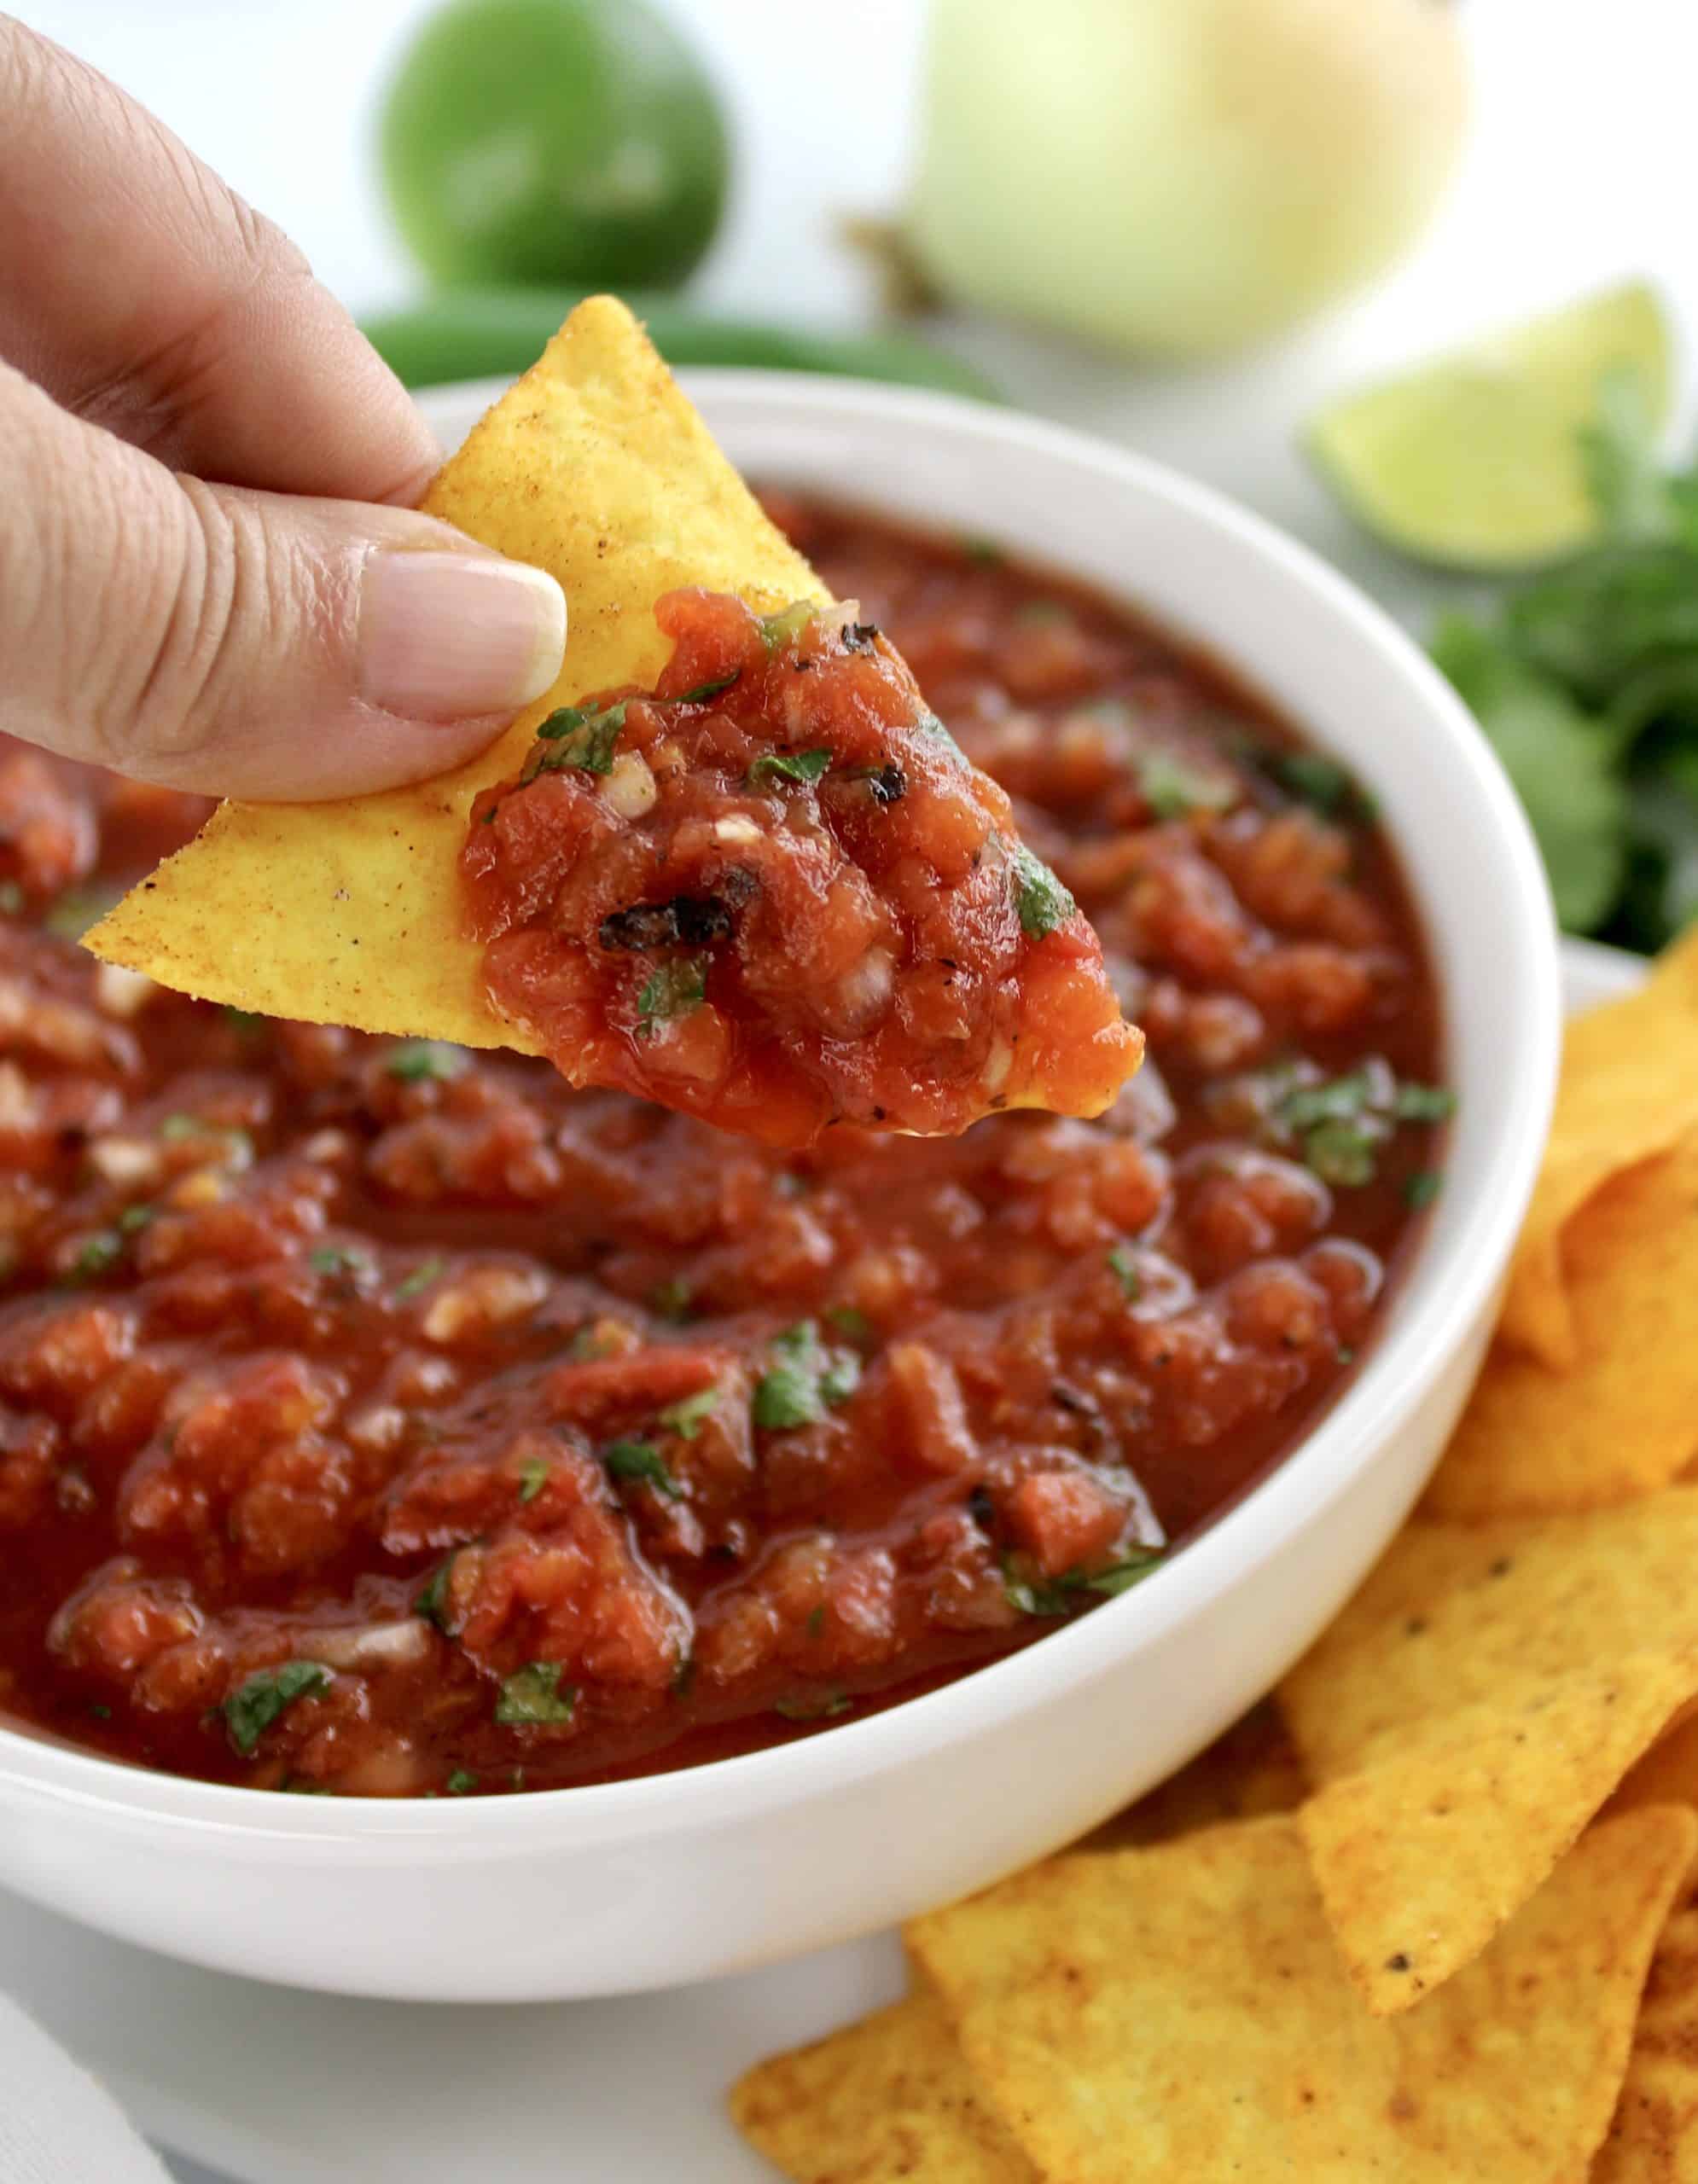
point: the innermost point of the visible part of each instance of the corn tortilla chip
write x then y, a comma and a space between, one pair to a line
1629, 1089
1654, 2134
1251, 1769
1668, 1773
890, 2097
1181, 2013
1623, 1421
593, 466
1471, 1709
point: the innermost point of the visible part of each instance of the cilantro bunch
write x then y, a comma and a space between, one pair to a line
1586, 680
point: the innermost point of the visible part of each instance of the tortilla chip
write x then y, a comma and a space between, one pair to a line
1624, 1419
886, 2098
1668, 1773
1629, 1089
1468, 1712
594, 468
1654, 2136
1251, 1769
1181, 2013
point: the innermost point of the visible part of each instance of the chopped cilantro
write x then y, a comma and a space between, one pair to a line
431, 1601
704, 691
532, 1694
1172, 789
533, 1476
460, 1782
1423, 1103
806, 1379
673, 990
1123, 1264
929, 725
333, 1259
576, 736
11, 899
684, 1677
789, 765
983, 553
823, 1708
1044, 902
97, 1253
854, 1324
1340, 1153
1056, 1596
421, 1278
1320, 782
100, 1713
252, 1707
135, 1219
777, 630
685, 1418
670, 1299
1037, 614
238, 1146
303, 1786
420, 1061
1423, 1187
642, 1461
176, 1127
1121, 1576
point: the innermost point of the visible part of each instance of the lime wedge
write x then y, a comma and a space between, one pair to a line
1473, 460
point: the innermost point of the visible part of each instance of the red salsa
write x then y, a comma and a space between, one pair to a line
381, 1419
774, 894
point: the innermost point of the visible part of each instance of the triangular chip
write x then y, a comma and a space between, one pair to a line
1629, 1089
1472, 1708
733, 863
1181, 2013
1623, 1420
890, 2097
594, 467
1668, 1773
1653, 2136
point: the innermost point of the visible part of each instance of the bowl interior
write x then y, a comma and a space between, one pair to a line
1292, 628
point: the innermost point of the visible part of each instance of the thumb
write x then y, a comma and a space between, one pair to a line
241, 643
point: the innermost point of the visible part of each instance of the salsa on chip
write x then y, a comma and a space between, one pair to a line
732, 862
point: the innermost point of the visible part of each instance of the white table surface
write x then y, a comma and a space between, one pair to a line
1580, 172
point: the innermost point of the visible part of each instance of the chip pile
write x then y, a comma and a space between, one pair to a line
1433, 1912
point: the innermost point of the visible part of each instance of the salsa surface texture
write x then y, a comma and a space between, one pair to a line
382, 1420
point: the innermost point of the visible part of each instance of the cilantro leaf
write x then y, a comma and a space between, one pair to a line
642, 1461
252, 1707
1123, 1264
461, 1781
532, 1694
1423, 1187
823, 1708
777, 630
685, 1418
1173, 790
1557, 759
426, 1061
805, 1380
420, 1279
1043, 901
431, 1601
704, 691
533, 1476
789, 765
1618, 456
576, 736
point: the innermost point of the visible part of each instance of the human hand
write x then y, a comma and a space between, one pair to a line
210, 573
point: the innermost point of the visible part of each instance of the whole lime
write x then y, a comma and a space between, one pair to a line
572, 140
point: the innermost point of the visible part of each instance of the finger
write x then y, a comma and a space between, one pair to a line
243, 643
146, 297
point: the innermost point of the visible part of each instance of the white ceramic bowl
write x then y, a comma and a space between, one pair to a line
640, 1883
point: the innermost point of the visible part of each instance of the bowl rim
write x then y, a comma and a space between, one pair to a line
1393, 1379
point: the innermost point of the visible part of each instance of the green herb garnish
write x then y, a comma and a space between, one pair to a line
135, 1219
825, 1709
426, 1061
670, 1299
252, 1707
1342, 1122
685, 1418
533, 1476
1123, 1264
576, 736
850, 1322
640, 1461
532, 1694
673, 990
983, 553
1320, 782
1341, 1153
807, 1378
704, 691
777, 630
460, 1782
1172, 789
420, 1279
1423, 1187
11, 899
1044, 902
431, 1601
789, 765
1057, 1596
333, 1259
97, 1255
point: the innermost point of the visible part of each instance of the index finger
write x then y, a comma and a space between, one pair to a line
144, 295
